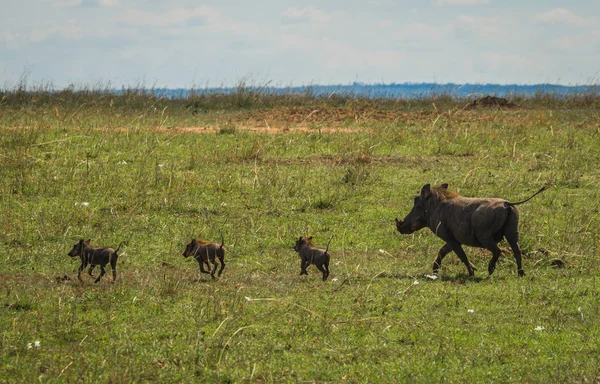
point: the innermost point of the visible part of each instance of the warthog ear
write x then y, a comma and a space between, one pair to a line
88, 241
426, 190
309, 238
444, 186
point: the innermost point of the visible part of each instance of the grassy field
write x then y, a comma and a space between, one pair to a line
263, 170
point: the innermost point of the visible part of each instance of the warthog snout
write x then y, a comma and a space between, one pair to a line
404, 227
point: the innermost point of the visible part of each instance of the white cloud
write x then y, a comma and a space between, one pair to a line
564, 43
501, 61
109, 3
7, 37
176, 23
69, 3
386, 23
335, 55
560, 16
461, 2
70, 30
173, 17
481, 28
417, 32
578, 42
97, 3
309, 13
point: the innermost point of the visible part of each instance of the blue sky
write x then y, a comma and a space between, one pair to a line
211, 43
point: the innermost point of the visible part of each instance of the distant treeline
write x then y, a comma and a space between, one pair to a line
246, 95
400, 91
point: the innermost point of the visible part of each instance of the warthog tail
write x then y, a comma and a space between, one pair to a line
327, 249
222, 240
119, 247
532, 196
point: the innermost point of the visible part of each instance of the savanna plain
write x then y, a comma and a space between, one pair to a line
262, 170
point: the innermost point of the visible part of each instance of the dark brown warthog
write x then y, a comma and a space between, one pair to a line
465, 220
312, 255
205, 251
93, 256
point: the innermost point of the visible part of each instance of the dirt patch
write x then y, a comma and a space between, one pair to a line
265, 129
302, 116
309, 120
62, 278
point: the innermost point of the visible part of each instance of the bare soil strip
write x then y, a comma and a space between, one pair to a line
258, 129
213, 129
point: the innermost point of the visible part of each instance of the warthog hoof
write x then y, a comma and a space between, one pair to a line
521, 273
472, 270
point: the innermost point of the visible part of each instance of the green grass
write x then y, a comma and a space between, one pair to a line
156, 188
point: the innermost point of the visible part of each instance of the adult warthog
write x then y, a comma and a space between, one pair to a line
462, 220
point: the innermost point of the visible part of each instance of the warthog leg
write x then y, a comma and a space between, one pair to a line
513, 240
446, 249
222, 266
492, 247
81, 267
201, 263
462, 256
113, 265
325, 273
102, 272
91, 269
303, 266
214, 269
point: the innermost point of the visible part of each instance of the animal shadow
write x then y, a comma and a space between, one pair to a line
462, 278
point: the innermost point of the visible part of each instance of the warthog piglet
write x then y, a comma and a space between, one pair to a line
312, 255
205, 251
93, 256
